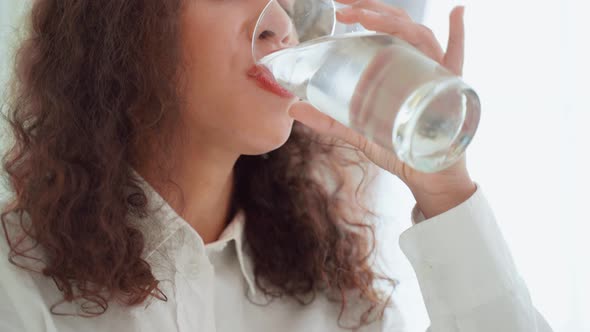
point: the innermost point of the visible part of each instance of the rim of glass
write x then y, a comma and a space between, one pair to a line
262, 14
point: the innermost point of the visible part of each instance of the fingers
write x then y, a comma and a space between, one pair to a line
378, 16
325, 125
417, 35
377, 6
455, 55
374, 20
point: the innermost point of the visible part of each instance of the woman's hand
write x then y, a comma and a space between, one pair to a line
434, 192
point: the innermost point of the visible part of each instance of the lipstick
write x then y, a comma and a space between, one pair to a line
266, 80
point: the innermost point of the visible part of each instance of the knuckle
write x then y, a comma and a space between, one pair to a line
374, 3
402, 12
398, 11
331, 124
362, 143
425, 31
392, 165
362, 3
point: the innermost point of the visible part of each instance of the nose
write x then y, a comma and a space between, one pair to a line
275, 30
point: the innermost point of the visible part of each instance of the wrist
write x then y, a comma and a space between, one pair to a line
434, 202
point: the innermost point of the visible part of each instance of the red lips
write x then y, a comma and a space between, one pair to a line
266, 80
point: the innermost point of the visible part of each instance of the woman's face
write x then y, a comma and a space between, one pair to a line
225, 104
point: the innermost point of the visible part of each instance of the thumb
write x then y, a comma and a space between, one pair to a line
311, 117
324, 124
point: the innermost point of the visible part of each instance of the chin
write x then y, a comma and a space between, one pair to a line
270, 140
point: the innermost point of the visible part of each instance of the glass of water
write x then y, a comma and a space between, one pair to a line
375, 83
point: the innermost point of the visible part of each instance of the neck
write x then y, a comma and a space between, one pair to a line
199, 187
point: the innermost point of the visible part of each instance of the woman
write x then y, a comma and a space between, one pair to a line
158, 186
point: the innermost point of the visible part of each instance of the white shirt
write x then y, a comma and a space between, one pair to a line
465, 271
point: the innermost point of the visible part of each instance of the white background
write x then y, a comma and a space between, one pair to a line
529, 61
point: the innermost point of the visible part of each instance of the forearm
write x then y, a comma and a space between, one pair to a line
466, 272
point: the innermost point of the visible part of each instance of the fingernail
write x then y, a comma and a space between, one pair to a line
371, 13
345, 10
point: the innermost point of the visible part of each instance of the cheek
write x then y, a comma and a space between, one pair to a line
247, 120
260, 123
224, 105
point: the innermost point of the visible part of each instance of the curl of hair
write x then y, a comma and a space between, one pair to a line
94, 78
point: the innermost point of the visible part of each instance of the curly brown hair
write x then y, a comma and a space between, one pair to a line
92, 80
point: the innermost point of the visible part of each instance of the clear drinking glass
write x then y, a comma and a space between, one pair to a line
375, 83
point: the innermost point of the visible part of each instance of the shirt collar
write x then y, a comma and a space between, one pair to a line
163, 222
235, 231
